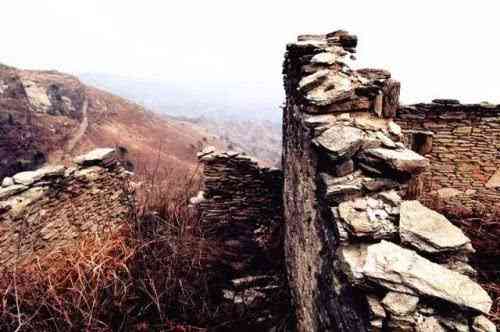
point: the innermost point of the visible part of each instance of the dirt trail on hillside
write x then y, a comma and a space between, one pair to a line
81, 130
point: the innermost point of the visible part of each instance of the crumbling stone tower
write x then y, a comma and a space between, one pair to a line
359, 258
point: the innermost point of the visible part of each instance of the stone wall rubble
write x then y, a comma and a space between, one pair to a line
463, 147
359, 256
241, 208
46, 209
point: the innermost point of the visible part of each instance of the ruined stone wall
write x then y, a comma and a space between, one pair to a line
49, 208
464, 151
241, 209
359, 257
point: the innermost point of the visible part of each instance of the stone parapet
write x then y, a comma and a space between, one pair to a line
359, 256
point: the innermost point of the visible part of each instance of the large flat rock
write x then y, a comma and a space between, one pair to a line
95, 157
30, 177
429, 231
400, 160
341, 141
12, 190
370, 222
404, 271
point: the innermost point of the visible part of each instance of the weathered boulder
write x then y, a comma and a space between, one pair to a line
335, 88
394, 128
400, 304
429, 231
30, 177
371, 222
313, 80
400, 160
403, 270
340, 141
339, 189
7, 181
95, 157
390, 197
12, 190
324, 58
352, 258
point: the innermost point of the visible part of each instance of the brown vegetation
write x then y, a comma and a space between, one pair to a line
31, 135
153, 274
483, 228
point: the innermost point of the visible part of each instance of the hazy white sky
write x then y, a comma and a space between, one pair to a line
437, 48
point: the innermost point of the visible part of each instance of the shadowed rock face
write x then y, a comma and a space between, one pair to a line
346, 170
241, 208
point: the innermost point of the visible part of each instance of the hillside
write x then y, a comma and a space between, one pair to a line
259, 138
51, 116
248, 122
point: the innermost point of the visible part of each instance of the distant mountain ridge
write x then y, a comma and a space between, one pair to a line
42, 111
245, 115
240, 100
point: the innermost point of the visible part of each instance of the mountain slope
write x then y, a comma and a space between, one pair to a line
246, 115
50, 116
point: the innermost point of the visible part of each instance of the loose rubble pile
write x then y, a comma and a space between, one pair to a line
241, 207
45, 209
393, 265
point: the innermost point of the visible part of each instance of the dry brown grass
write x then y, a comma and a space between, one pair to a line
483, 228
153, 274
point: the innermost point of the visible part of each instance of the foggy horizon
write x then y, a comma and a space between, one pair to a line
224, 43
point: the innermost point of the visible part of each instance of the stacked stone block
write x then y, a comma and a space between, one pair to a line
464, 151
241, 208
359, 257
52, 207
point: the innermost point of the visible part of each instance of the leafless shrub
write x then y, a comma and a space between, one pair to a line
154, 273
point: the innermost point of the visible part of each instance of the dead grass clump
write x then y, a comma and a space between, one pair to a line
153, 274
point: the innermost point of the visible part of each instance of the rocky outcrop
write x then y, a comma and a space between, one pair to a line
241, 208
38, 110
360, 257
53, 206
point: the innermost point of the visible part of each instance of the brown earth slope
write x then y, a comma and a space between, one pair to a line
50, 116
